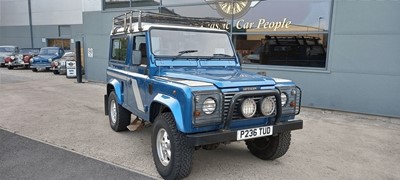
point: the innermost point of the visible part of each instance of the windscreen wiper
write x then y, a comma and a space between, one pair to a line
223, 55
186, 52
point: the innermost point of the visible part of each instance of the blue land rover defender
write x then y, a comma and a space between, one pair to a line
187, 81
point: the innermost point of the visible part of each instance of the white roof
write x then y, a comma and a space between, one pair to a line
147, 26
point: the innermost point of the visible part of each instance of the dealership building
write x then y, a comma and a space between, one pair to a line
344, 54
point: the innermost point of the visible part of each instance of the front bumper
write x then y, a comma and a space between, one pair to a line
17, 64
40, 66
230, 135
60, 69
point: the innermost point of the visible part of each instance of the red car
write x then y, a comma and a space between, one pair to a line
22, 59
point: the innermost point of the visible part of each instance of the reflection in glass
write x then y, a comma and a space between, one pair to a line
285, 50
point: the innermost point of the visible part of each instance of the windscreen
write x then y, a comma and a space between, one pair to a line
29, 51
48, 51
185, 43
6, 49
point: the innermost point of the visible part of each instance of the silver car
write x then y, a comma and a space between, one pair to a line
6, 51
58, 66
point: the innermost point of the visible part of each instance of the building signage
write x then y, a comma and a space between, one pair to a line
260, 24
231, 9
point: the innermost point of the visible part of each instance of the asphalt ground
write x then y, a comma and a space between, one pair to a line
23, 158
69, 116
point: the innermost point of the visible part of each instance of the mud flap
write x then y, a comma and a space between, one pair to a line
106, 104
136, 125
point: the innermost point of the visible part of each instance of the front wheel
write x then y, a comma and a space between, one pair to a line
34, 69
55, 72
118, 116
171, 153
271, 147
10, 67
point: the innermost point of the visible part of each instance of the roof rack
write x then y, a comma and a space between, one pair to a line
127, 19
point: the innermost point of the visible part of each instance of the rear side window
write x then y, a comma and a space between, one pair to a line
119, 46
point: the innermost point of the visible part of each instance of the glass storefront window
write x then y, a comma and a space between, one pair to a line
293, 32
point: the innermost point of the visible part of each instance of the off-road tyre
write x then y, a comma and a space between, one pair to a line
10, 67
271, 147
122, 116
34, 70
55, 72
180, 161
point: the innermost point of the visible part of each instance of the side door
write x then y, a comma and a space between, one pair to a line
137, 90
118, 61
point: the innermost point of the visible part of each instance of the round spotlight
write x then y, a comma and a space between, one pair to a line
248, 108
268, 106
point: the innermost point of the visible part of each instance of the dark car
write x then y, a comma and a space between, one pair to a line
22, 59
45, 57
7, 51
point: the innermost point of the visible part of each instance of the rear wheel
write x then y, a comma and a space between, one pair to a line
171, 153
271, 147
10, 67
34, 70
56, 72
118, 116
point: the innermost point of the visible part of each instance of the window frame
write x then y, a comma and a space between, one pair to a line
112, 59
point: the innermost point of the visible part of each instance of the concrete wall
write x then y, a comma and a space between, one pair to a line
97, 27
46, 18
44, 12
363, 72
20, 35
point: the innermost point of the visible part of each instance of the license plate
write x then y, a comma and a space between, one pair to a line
254, 132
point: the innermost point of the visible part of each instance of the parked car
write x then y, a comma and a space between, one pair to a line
59, 66
45, 57
189, 83
22, 59
6, 51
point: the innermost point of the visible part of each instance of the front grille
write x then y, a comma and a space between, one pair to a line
228, 98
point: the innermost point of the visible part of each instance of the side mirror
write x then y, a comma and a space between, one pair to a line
136, 57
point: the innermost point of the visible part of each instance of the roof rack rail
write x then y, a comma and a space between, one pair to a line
127, 19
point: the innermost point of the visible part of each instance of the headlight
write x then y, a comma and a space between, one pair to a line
50, 59
209, 106
31, 60
248, 108
12, 57
268, 106
284, 99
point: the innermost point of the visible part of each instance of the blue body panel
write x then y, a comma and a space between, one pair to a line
219, 76
117, 88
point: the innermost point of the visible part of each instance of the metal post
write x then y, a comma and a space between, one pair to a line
232, 20
30, 21
78, 62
